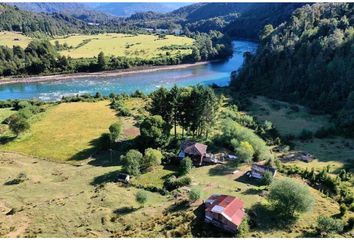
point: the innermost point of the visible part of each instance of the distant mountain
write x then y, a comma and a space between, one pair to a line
128, 9
82, 11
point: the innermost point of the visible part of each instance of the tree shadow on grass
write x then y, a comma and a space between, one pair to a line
180, 206
199, 228
253, 191
221, 170
103, 153
6, 139
124, 210
265, 218
248, 180
105, 178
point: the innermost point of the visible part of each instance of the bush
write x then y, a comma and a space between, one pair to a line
185, 166
289, 197
244, 228
245, 152
267, 178
18, 125
115, 130
152, 157
326, 225
343, 209
194, 194
141, 197
132, 162
172, 182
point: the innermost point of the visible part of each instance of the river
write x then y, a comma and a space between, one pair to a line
216, 72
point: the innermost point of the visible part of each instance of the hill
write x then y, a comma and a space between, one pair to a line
13, 19
127, 9
308, 60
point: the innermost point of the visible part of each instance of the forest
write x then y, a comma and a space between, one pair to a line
307, 60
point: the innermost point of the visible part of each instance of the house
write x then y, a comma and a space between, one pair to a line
225, 212
123, 177
259, 170
196, 151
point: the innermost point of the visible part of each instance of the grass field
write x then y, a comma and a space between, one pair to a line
65, 132
61, 200
11, 39
142, 46
285, 119
336, 151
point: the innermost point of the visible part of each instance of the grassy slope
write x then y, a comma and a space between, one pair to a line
143, 46
335, 151
8, 39
65, 132
59, 200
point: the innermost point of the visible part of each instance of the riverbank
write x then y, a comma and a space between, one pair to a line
113, 73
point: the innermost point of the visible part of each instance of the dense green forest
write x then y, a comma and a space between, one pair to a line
308, 60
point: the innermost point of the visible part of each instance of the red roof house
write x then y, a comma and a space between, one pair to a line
224, 211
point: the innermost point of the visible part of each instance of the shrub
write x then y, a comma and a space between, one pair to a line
267, 178
152, 157
289, 197
244, 228
115, 130
194, 194
326, 225
343, 209
141, 197
172, 182
18, 125
185, 166
245, 152
131, 162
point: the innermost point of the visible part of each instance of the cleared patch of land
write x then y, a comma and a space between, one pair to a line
116, 44
11, 39
61, 200
68, 131
287, 118
292, 119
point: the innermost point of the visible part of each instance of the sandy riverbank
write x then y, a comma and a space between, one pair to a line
114, 73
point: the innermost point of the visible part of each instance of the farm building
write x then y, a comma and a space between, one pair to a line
196, 151
259, 170
224, 211
123, 177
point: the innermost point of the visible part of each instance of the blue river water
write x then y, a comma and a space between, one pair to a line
216, 72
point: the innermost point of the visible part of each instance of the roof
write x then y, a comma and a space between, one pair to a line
263, 168
193, 148
228, 206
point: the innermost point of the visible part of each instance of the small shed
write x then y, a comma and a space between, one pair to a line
259, 170
123, 177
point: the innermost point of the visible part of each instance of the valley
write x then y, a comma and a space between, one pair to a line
116, 122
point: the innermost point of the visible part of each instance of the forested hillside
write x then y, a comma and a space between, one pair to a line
13, 19
308, 60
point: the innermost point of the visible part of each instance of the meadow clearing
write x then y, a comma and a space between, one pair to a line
144, 46
81, 199
289, 119
65, 132
10, 39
